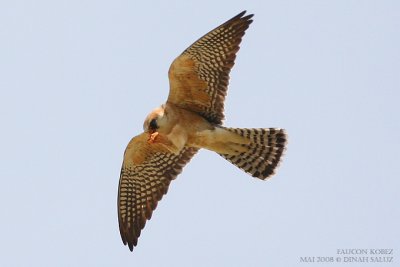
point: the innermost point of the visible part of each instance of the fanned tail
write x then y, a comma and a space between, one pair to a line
263, 154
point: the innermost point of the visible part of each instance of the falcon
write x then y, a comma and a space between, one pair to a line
192, 119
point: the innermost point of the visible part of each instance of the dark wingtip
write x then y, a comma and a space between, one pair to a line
248, 17
241, 13
241, 16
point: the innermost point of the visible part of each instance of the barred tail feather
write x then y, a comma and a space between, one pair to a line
264, 152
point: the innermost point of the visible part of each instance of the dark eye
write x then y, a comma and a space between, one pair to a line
153, 124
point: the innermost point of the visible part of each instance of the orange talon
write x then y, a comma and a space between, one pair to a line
152, 138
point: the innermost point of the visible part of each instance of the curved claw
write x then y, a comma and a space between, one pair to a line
152, 138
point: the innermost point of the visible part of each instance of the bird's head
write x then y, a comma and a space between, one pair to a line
155, 120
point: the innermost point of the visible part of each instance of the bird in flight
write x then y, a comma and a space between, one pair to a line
192, 119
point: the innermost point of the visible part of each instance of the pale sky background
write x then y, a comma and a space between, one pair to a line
77, 79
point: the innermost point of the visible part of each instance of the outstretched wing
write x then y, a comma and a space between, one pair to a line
199, 76
146, 173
